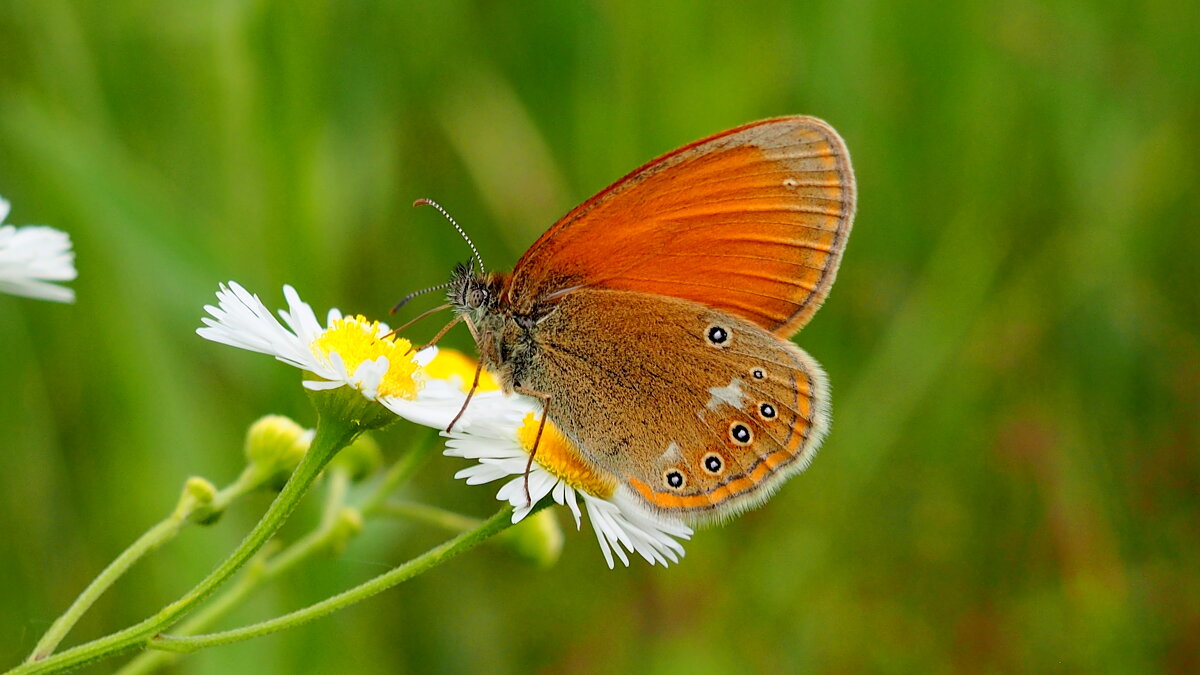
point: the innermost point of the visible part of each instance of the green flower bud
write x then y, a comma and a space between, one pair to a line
347, 524
274, 446
360, 459
195, 501
537, 539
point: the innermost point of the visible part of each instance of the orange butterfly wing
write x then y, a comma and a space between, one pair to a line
751, 221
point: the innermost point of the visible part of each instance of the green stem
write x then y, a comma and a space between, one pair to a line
332, 434
374, 504
406, 571
254, 576
429, 515
339, 485
158, 534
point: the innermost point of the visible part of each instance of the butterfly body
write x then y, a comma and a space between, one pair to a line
653, 319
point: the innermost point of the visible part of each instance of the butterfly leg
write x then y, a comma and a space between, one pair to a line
478, 368
545, 398
470, 393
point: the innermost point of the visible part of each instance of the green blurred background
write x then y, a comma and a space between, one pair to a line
1012, 481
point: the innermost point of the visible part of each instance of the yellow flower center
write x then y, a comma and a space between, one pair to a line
357, 340
558, 455
450, 362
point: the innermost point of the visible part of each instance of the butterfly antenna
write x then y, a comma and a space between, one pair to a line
404, 301
474, 251
396, 331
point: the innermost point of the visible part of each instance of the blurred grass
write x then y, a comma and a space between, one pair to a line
1012, 482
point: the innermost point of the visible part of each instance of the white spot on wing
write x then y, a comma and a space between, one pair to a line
730, 394
671, 454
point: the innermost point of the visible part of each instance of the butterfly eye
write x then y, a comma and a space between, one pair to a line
740, 433
717, 336
673, 479
758, 374
477, 297
767, 411
713, 463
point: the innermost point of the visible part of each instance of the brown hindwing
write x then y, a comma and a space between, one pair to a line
701, 413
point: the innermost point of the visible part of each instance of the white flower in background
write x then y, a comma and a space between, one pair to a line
500, 436
31, 257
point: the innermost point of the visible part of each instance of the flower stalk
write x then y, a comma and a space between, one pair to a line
422, 563
260, 571
332, 434
196, 504
324, 537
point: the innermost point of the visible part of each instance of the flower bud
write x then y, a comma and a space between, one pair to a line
537, 539
195, 501
274, 446
347, 524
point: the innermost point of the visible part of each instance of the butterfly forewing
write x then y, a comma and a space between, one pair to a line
751, 221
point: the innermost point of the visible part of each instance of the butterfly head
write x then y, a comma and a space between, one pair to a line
475, 295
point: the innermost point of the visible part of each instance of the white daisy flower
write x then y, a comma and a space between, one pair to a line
426, 387
500, 435
33, 256
345, 351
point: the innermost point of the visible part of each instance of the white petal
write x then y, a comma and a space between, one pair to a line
541, 483
33, 256
440, 401
368, 376
606, 549
573, 504
300, 317
241, 320
322, 385
478, 474
423, 357
39, 290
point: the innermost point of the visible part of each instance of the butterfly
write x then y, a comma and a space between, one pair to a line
653, 320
